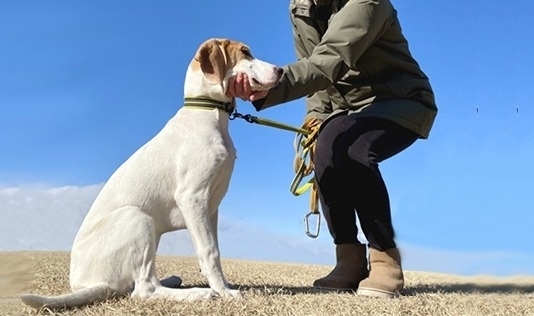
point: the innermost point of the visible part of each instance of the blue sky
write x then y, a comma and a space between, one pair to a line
83, 84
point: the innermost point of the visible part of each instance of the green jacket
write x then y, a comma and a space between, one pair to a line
353, 57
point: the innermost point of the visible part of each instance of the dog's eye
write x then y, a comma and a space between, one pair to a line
246, 52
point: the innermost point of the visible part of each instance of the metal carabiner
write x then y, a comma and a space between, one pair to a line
317, 225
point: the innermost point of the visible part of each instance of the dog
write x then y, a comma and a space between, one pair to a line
175, 181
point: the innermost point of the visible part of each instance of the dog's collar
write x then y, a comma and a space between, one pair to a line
208, 103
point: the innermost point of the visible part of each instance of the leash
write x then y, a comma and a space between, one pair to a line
263, 121
304, 145
230, 109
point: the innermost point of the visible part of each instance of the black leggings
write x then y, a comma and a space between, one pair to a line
346, 166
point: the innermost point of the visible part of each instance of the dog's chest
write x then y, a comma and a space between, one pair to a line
203, 138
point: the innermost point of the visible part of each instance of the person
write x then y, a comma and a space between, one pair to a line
373, 101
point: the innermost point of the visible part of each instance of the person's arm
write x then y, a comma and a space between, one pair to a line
352, 30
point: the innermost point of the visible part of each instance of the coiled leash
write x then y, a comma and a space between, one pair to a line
304, 145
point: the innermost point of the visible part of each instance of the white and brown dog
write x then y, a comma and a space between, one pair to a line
175, 181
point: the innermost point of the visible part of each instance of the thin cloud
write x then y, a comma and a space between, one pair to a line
40, 218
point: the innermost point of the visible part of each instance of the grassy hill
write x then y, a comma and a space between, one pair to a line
285, 289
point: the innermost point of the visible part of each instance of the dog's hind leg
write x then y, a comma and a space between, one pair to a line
143, 241
118, 249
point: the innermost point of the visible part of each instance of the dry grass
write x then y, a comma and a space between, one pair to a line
284, 289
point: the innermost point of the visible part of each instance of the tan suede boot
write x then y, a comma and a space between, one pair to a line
350, 269
385, 277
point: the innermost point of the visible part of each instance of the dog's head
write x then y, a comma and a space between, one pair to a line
219, 59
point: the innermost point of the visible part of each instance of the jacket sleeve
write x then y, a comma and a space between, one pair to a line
350, 32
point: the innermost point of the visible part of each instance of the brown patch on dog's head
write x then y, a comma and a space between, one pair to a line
211, 59
237, 51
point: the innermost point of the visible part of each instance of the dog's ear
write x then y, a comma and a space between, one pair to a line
212, 61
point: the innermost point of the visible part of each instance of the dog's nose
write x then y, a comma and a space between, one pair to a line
279, 71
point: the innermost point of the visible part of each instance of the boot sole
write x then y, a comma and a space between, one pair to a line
369, 292
332, 289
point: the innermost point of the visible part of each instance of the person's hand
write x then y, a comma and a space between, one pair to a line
239, 87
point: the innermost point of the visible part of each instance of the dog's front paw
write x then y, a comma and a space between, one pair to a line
195, 294
228, 293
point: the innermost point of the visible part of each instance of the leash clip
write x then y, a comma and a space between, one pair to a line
317, 224
234, 115
247, 117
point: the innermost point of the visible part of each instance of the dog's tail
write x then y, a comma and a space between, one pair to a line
78, 298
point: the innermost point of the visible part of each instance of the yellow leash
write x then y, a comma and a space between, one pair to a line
303, 164
263, 121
